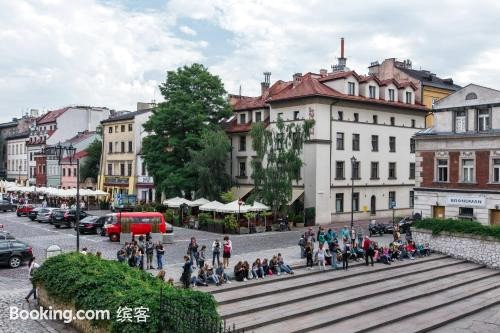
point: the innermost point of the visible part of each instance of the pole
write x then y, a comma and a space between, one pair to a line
77, 205
352, 197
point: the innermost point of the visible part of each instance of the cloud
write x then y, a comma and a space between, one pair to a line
187, 30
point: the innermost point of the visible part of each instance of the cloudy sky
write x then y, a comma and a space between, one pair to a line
115, 52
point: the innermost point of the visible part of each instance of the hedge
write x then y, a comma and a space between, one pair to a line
92, 283
458, 226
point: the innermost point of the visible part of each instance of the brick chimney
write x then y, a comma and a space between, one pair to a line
297, 77
264, 86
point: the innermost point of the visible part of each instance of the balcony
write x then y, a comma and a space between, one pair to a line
116, 180
145, 180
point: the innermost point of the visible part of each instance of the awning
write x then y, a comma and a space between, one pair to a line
241, 191
296, 193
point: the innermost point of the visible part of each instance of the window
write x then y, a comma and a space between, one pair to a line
393, 121
467, 170
122, 169
460, 122
375, 119
74, 172
340, 141
110, 169
295, 115
143, 168
130, 146
243, 118
64, 172
110, 147
130, 127
339, 170
258, 117
374, 142
355, 170
483, 120
466, 211
496, 170
356, 117
122, 128
412, 199
470, 96
355, 202
116, 128
129, 169
351, 88
392, 170
413, 123
372, 90
243, 169
339, 202
408, 97
392, 144
392, 199
442, 170
355, 142
412, 145
412, 170
243, 143
123, 146
69, 172
340, 115
374, 170
391, 95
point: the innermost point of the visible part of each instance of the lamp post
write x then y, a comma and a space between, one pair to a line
19, 178
353, 162
240, 202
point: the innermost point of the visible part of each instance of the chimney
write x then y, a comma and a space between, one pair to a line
264, 86
342, 47
341, 65
323, 72
296, 79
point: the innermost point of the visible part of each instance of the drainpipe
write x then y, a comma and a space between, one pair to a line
331, 129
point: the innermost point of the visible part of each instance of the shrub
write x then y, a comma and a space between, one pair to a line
169, 216
230, 224
459, 226
92, 283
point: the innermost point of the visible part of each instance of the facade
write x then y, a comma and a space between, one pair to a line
458, 160
17, 164
122, 170
430, 88
355, 116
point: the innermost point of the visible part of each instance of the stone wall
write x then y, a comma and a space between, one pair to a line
481, 250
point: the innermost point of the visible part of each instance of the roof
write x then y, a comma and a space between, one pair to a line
80, 137
78, 155
339, 75
51, 116
126, 116
429, 79
21, 135
232, 126
8, 124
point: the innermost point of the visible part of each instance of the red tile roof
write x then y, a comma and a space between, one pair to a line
339, 75
234, 127
51, 116
78, 155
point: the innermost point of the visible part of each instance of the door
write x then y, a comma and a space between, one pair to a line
495, 217
373, 205
438, 212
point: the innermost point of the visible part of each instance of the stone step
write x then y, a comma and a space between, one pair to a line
337, 311
267, 287
358, 283
431, 319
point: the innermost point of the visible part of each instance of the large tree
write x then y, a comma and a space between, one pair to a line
90, 167
194, 101
278, 161
209, 164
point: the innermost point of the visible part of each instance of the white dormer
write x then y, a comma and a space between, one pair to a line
369, 89
406, 94
389, 92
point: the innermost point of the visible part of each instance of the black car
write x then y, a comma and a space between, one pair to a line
34, 213
93, 224
5, 205
65, 217
4, 235
13, 253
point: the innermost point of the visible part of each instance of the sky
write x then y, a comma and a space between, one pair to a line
115, 53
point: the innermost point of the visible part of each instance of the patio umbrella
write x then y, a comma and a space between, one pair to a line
260, 207
199, 202
211, 206
176, 202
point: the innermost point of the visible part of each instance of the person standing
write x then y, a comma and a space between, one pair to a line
216, 252
368, 249
201, 256
359, 235
226, 251
186, 273
353, 238
321, 257
193, 251
160, 251
32, 267
344, 232
309, 255
150, 249
346, 252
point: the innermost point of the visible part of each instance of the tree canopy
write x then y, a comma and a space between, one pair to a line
194, 102
90, 167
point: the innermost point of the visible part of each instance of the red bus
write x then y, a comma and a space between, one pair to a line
137, 223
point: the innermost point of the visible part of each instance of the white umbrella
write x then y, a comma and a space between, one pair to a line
199, 202
177, 202
234, 207
258, 207
212, 206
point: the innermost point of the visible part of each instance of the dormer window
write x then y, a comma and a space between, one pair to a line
258, 117
391, 95
460, 121
483, 120
372, 91
408, 97
351, 88
470, 96
243, 118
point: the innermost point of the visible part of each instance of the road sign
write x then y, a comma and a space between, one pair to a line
393, 204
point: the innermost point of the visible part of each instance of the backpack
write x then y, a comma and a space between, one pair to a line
321, 238
227, 249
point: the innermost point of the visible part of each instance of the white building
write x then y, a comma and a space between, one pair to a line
17, 166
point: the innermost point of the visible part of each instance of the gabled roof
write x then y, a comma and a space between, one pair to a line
51, 116
339, 75
406, 84
79, 137
126, 116
367, 78
307, 86
429, 79
389, 81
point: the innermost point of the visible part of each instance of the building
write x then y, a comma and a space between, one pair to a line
122, 168
357, 116
458, 160
17, 162
430, 88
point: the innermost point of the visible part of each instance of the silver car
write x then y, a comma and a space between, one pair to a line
44, 215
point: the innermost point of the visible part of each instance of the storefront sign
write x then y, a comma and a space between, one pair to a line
465, 201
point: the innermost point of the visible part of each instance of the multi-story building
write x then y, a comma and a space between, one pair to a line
355, 116
458, 160
17, 166
122, 170
430, 88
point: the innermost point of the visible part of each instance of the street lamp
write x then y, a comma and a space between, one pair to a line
19, 178
353, 162
240, 202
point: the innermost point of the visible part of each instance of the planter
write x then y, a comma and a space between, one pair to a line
260, 228
299, 225
244, 230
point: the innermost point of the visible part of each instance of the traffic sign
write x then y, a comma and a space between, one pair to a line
393, 204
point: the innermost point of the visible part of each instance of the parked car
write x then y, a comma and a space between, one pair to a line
44, 214
5, 205
23, 210
4, 235
32, 214
93, 224
138, 224
66, 217
13, 253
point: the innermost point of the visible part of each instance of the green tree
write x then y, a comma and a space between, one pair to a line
278, 161
194, 101
90, 167
209, 164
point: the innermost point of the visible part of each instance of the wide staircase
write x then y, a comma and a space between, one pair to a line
408, 296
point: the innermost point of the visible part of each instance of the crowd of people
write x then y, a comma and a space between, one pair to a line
133, 253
